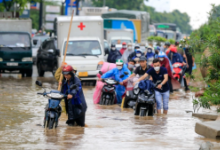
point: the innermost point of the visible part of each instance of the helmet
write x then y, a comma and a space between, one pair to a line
150, 47
173, 49
136, 47
113, 45
167, 43
161, 54
124, 43
119, 62
67, 69
158, 48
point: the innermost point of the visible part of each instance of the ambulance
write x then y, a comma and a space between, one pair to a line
85, 46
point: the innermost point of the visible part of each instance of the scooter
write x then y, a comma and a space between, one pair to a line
178, 71
145, 104
108, 95
53, 109
131, 97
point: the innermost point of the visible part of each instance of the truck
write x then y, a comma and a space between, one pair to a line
117, 37
138, 21
16, 46
85, 46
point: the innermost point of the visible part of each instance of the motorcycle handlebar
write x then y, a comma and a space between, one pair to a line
40, 93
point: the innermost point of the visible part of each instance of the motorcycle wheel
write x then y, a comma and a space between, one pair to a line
102, 100
51, 123
46, 124
143, 112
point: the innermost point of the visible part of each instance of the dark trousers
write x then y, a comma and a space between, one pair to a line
170, 84
79, 121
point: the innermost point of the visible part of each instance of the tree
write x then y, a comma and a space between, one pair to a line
120, 4
8, 4
180, 19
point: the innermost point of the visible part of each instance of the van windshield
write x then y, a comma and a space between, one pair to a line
83, 48
14, 40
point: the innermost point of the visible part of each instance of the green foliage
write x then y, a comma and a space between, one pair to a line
156, 39
180, 19
7, 5
120, 4
208, 36
172, 41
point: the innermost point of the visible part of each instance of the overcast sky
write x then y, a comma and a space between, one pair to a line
196, 9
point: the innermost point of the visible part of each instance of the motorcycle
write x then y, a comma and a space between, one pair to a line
53, 109
108, 95
145, 102
178, 71
131, 97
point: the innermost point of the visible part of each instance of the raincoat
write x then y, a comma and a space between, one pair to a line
146, 85
175, 58
115, 73
122, 50
166, 63
99, 84
150, 55
113, 56
133, 55
76, 107
125, 55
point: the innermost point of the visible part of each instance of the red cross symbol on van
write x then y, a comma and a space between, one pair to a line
81, 26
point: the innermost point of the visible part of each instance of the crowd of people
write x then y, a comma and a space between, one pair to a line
155, 64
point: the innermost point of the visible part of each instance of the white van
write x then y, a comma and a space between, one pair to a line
86, 43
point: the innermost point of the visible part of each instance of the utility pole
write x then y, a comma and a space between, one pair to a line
40, 15
77, 7
103, 3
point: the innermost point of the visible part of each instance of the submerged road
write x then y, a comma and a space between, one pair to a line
109, 127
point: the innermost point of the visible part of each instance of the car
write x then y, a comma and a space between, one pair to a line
47, 57
37, 40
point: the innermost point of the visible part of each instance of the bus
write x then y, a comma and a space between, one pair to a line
169, 30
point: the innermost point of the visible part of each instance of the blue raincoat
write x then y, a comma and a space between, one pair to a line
149, 55
176, 58
115, 73
77, 102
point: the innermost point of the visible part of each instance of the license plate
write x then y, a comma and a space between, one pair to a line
83, 74
12, 64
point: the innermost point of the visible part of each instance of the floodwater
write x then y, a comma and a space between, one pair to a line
109, 127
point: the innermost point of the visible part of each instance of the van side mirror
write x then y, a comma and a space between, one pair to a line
57, 52
35, 41
106, 51
38, 83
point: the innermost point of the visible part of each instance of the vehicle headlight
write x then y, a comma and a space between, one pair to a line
55, 95
1, 59
136, 91
127, 93
100, 64
27, 59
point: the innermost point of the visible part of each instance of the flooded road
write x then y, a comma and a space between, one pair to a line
109, 127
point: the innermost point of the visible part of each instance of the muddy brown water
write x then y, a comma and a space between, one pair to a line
109, 127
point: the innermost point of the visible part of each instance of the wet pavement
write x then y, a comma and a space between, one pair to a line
109, 127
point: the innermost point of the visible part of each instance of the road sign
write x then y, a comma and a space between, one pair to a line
70, 6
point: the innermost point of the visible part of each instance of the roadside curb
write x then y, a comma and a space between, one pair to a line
210, 129
205, 116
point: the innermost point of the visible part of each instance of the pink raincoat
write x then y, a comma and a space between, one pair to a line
99, 84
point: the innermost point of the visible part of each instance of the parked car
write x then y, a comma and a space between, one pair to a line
47, 57
37, 40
